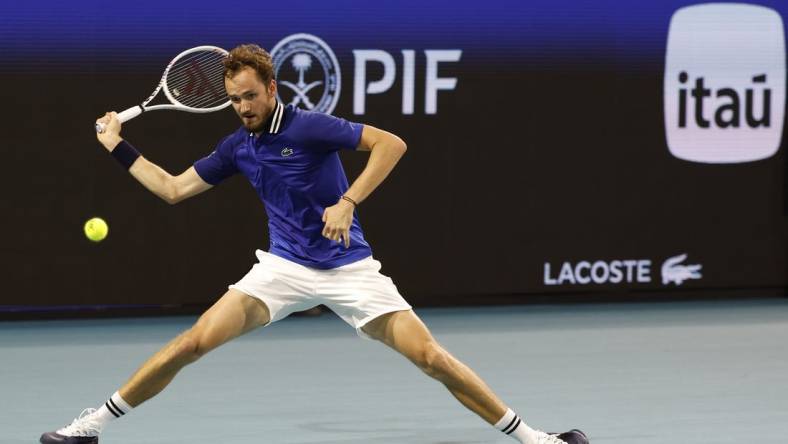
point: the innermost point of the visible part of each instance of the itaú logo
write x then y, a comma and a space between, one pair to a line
724, 85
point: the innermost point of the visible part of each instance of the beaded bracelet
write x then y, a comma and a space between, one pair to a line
355, 205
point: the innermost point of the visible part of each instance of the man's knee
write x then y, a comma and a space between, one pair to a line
188, 347
433, 360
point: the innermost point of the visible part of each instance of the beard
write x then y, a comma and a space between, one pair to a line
254, 125
254, 118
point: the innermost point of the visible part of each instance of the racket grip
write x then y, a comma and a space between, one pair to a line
123, 116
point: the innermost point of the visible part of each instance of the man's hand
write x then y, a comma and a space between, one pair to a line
337, 219
110, 138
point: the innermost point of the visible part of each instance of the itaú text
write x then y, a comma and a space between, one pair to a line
599, 272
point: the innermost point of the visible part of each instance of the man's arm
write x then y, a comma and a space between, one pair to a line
385, 151
172, 189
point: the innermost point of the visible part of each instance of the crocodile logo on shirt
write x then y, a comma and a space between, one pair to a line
287, 152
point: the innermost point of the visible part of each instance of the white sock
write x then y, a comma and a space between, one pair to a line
512, 425
114, 408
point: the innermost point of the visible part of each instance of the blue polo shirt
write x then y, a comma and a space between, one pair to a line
294, 167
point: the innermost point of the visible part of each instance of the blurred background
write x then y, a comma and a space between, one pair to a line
562, 150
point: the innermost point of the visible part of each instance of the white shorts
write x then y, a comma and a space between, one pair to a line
356, 292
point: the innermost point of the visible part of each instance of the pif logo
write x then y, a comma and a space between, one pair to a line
724, 86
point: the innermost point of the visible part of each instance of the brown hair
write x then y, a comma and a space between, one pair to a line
249, 55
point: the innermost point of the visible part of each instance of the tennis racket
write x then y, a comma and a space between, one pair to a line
193, 82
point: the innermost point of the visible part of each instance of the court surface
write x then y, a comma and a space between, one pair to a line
651, 373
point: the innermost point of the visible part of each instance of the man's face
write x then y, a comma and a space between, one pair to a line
252, 99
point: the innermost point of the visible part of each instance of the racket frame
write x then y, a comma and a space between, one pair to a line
134, 111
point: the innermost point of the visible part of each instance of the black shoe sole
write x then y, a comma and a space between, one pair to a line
574, 436
54, 438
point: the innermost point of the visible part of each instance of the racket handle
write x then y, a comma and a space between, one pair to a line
124, 116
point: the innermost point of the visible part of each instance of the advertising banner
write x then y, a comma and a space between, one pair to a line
555, 147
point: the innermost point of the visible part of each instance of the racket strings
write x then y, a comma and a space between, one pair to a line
181, 81
196, 90
203, 102
187, 82
182, 84
203, 58
197, 80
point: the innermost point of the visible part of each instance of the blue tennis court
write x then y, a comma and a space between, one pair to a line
647, 373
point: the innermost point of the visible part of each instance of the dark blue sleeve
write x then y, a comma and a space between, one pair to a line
218, 165
329, 133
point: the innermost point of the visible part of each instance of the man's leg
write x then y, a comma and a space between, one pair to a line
406, 333
232, 315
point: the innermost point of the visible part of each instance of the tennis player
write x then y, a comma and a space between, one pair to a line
317, 254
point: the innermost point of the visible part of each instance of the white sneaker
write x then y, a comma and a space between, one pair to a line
83, 430
546, 438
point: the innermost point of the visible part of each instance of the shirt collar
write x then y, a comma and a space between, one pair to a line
274, 123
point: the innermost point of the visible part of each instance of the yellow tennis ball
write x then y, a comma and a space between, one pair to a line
96, 229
